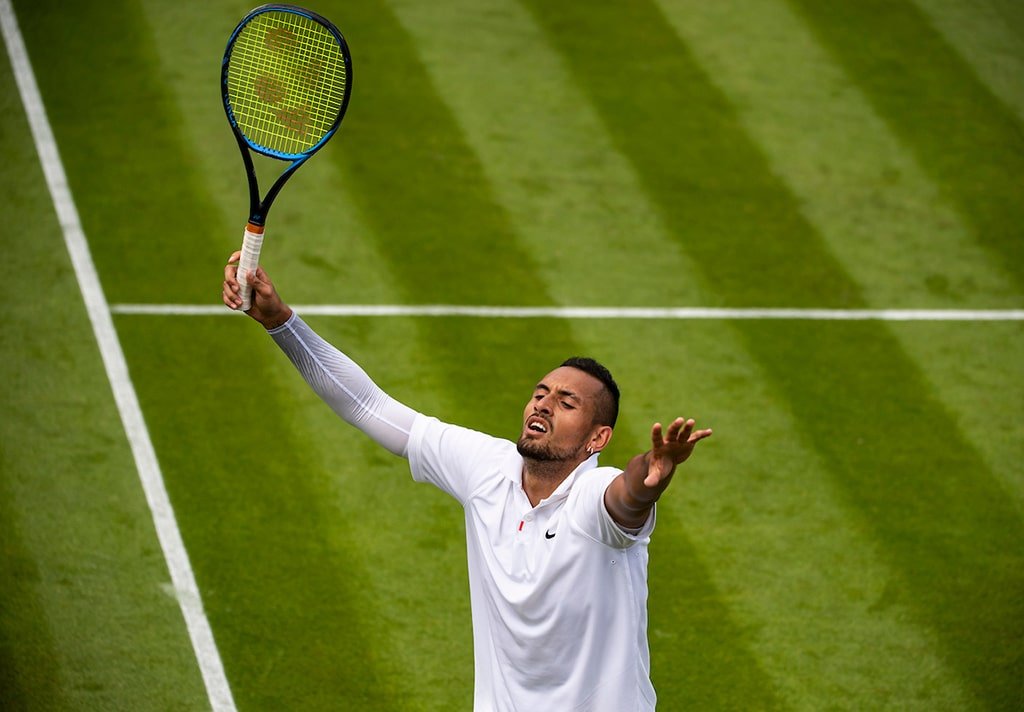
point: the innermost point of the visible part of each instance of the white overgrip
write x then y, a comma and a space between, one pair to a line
252, 243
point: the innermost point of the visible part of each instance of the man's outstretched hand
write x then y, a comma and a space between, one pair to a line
267, 307
671, 450
631, 495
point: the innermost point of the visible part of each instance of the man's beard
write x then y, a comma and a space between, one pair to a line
544, 452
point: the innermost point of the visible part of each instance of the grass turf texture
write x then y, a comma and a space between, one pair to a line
851, 537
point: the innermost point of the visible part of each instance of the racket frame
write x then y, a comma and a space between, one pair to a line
259, 208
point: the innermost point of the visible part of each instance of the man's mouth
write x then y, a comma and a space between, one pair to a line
537, 425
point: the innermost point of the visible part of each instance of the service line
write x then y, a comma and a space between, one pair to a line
512, 312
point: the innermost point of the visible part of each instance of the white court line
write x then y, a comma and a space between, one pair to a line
681, 313
217, 689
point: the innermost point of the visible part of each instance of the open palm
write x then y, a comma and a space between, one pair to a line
670, 449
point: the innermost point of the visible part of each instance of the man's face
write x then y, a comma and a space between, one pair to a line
558, 422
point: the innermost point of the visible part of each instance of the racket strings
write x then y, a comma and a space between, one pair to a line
286, 81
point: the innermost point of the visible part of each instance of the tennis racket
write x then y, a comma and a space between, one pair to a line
286, 80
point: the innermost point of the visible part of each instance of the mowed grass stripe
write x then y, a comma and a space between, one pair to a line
892, 228
861, 189
87, 620
936, 511
989, 36
420, 187
903, 504
978, 372
575, 202
969, 141
712, 185
30, 669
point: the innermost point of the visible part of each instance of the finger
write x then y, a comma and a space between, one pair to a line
686, 428
230, 286
673, 429
656, 439
259, 278
233, 262
229, 295
699, 435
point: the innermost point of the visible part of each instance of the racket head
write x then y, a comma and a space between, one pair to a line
286, 79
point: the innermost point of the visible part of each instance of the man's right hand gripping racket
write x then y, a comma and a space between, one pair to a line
286, 79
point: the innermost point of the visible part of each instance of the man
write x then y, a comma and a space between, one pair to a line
557, 546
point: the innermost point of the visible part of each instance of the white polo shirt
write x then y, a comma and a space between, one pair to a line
558, 591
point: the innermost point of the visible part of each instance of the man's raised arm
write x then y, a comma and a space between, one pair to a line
631, 495
336, 378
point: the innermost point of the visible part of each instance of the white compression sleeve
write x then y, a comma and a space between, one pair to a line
344, 386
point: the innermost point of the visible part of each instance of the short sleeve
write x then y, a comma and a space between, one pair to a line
589, 515
451, 457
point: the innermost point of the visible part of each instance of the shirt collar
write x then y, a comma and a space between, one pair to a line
514, 472
563, 489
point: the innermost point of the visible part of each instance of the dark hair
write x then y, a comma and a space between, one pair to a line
608, 409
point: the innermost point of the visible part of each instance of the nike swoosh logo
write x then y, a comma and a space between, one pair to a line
549, 535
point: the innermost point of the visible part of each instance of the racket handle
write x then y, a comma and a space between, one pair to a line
252, 243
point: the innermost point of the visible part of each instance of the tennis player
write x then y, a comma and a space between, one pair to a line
557, 545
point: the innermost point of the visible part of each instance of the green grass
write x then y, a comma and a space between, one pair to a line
850, 538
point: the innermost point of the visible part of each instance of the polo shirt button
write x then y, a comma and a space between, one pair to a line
528, 517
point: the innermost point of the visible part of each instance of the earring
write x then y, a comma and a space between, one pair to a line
590, 449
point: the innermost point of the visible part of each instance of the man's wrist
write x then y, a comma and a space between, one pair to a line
277, 320
640, 495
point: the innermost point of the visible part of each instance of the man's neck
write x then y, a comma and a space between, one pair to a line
542, 477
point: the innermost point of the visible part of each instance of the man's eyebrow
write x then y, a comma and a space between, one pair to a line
561, 391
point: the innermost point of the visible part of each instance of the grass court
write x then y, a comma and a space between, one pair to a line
852, 537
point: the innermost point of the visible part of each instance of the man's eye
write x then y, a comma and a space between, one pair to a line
570, 406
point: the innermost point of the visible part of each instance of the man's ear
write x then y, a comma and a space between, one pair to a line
602, 435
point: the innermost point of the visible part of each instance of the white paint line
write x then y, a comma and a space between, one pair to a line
187, 592
679, 313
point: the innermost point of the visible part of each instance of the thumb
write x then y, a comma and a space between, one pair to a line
261, 283
655, 470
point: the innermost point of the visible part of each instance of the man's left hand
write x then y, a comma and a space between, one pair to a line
671, 449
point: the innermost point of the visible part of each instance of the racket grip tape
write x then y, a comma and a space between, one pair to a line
252, 243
